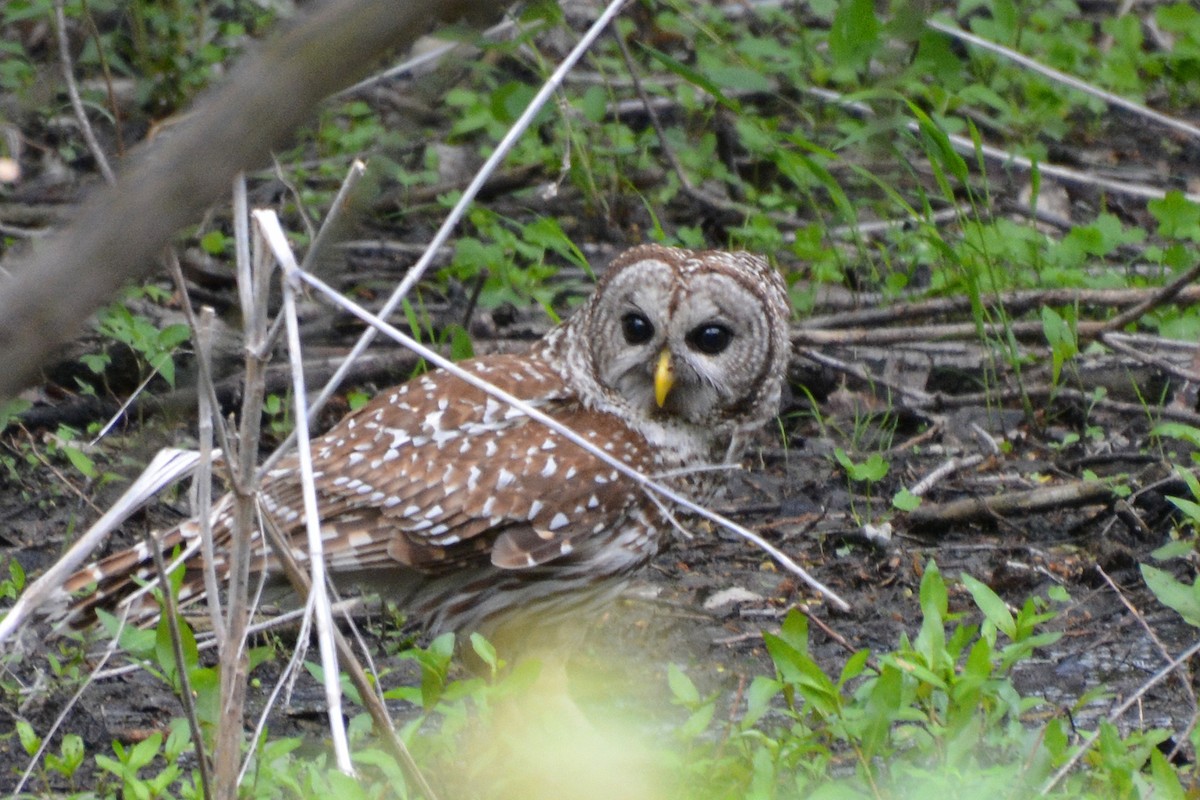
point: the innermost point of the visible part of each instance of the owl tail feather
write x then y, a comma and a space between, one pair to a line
51, 595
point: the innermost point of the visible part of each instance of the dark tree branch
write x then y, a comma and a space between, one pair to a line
120, 230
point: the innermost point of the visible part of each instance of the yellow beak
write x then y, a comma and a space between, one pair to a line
664, 377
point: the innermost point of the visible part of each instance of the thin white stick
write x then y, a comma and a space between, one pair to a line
965, 146
643, 481
268, 225
290, 670
115, 418
203, 479
1065, 79
460, 209
349, 183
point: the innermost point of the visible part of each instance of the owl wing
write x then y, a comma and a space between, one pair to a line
435, 473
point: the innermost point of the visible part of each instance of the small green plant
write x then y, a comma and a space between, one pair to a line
869, 472
938, 711
1060, 333
12, 586
513, 262
154, 347
278, 412
129, 763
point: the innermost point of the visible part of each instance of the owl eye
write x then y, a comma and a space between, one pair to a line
710, 339
637, 329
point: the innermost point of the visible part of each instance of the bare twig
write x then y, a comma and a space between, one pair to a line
1148, 358
971, 509
1061, 393
947, 467
254, 287
268, 227
915, 397
1158, 643
203, 479
889, 312
964, 145
85, 127
1032, 329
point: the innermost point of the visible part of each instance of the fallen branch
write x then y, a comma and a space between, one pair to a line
1009, 504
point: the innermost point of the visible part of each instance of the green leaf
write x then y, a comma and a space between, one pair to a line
30, 741
698, 722
904, 500
993, 608
741, 79
17, 573
1173, 593
1164, 778
1061, 337
794, 630
214, 243
486, 652
692, 76
1180, 548
854, 34
172, 336
80, 461
758, 699
682, 687
461, 347
1190, 508
799, 670
11, 409
1178, 430
144, 751
69, 757
934, 598
882, 708
875, 468
1178, 217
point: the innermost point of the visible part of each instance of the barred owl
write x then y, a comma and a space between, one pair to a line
464, 510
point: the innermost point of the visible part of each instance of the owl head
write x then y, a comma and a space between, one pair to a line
683, 337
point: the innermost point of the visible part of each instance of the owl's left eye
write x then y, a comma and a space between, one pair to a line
636, 328
710, 339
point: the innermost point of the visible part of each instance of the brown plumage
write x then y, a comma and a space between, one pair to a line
463, 509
